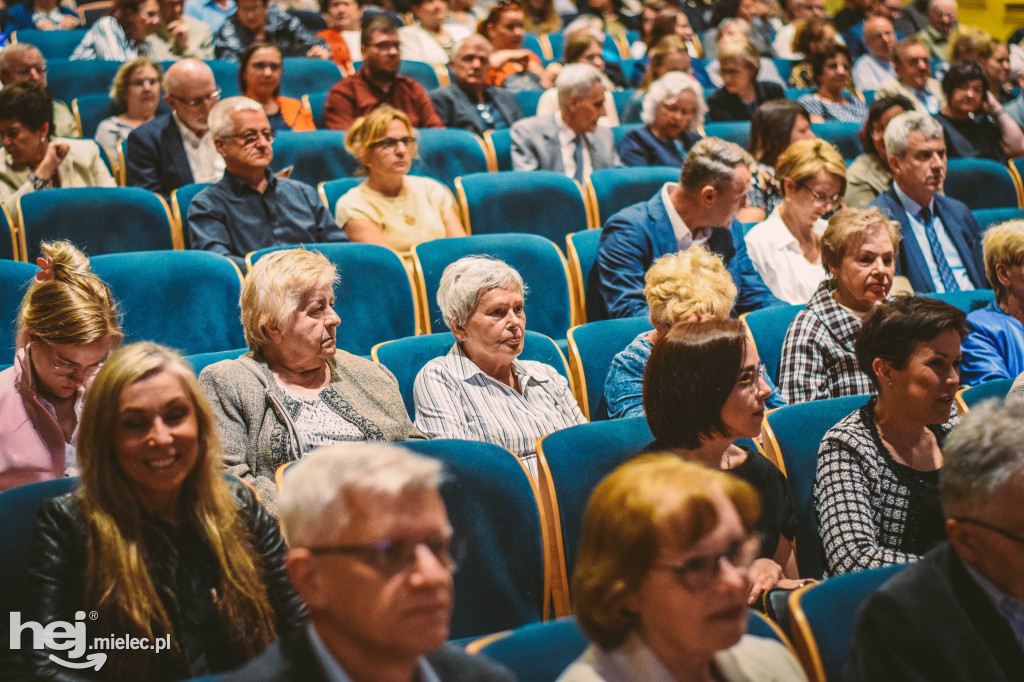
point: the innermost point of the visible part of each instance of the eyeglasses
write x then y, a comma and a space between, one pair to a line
750, 378
391, 557
27, 71
251, 138
193, 103
390, 144
143, 82
63, 368
822, 198
700, 573
988, 526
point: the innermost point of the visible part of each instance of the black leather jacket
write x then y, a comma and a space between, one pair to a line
185, 574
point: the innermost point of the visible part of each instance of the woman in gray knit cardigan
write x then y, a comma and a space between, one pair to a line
295, 390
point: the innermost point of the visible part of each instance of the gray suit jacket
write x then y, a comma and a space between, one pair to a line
535, 146
457, 111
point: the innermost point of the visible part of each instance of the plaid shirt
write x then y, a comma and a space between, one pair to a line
817, 355
283, 30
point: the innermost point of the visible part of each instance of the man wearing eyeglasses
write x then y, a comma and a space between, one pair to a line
24, 62
377, 82
371, 554
179, 35
958, 613
250, 208
470, 103
177, 149
914, 77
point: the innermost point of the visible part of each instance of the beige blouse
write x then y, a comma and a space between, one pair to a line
412, 217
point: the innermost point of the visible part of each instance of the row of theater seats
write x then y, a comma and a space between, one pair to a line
522, 537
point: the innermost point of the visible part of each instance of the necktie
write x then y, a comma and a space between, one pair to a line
945, 272
577, 157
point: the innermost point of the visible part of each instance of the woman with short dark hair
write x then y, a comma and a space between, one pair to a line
973, 122
774, 126
877, 486
833, 101
704, 388
260, 71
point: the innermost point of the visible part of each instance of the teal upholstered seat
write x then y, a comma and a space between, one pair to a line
987, 217
731, 131
305, 74
613, 189
14, 281
592, 347
69, 79
768, 326
332, 190
843, 135
980, 183
446, 153
581, 252
315, 156
181, 199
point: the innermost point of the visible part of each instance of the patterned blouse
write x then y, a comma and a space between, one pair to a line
852, 110
765, 192
817, 355
872, 510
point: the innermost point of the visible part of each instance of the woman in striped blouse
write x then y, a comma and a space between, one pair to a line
479, 390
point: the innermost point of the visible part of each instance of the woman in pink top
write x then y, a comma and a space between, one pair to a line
67, 324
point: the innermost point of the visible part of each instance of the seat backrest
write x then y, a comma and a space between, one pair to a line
406, 357
316, 101
502, 582
224, 73
570, 464
316, 156
532, 43
181, 199
534, 202
612, 189
987, 217
967, 301
52, 44
538, 652
980, 183
581, 252
731, 131
499, 144
539, 262
187, 300
199, 361
420, 72
9, 246
528, 100
373, 297
624, 97
792, 436
69, 79
332, 190
620, 131
91, 110
592, 347
302, 75
18, 509
823, 617
14, 281
447, 153
988, 390
97, 220
768, 327
843, 135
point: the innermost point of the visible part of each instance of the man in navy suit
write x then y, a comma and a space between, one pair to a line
370, 553
177, 149
700, 209
941, 249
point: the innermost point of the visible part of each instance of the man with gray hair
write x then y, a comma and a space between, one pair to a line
699, 209
250, 208
958, 613
941, 17
469, 102
914, 79
24, 62
569, 141
370, 552
941, 248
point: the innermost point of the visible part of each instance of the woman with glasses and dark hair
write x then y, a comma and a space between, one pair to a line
32, 159
877, 486
392, 208
67, 323
704, 388
785, 249
260, 69
156, 542
869, 174
661, 578
973, 121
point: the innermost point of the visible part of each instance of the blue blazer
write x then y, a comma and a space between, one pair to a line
960, 225
641, 147
638, 235
155, 157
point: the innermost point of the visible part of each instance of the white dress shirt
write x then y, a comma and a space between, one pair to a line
956, 263
870, 73
776, 255
206, 163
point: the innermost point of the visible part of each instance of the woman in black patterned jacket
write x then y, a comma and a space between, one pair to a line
876, 490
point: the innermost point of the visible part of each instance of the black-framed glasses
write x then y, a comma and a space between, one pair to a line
988, 526
751, 377
390, 144
398, 555
193, 103
251, 138
822, 198
700, 573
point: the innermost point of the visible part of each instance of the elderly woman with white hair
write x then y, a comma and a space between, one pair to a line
672, 112
479, 390
296, 390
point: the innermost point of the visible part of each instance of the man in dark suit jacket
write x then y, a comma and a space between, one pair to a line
370, 554
469, 103
941, 249
700, 209
958, 613
155, 155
